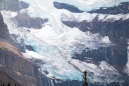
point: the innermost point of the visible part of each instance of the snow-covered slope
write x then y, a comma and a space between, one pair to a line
55, 43
56, 50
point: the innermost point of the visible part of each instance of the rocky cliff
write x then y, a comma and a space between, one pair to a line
13, 63
3, 29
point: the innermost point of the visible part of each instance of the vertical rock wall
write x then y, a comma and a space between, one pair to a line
14, 63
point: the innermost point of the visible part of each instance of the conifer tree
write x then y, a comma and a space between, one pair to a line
85, 81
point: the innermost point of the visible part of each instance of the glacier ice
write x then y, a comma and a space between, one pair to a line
55, 43
56, 50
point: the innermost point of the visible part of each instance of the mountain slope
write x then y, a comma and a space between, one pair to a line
14, 67
72, 32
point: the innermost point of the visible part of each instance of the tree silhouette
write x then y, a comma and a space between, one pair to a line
8, 84
85, 81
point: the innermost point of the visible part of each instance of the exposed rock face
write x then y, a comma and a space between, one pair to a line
117, 31
14, 63
25, 21
17, 66
29, 47
4, 34
115, 55
68, 7
14, 42
5, 80
57, 82
121, 8
13, 5
3, 29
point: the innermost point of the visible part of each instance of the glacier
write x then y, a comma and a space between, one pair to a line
56, 50
56, 43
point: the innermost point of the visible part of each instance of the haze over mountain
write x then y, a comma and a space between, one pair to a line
53, 41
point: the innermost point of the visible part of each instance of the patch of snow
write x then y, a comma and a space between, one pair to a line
126, 70
84, 16
89, 17
105, 66
104, 69
106, 39
9, 14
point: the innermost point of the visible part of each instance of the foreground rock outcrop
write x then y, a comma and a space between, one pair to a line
13, 63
